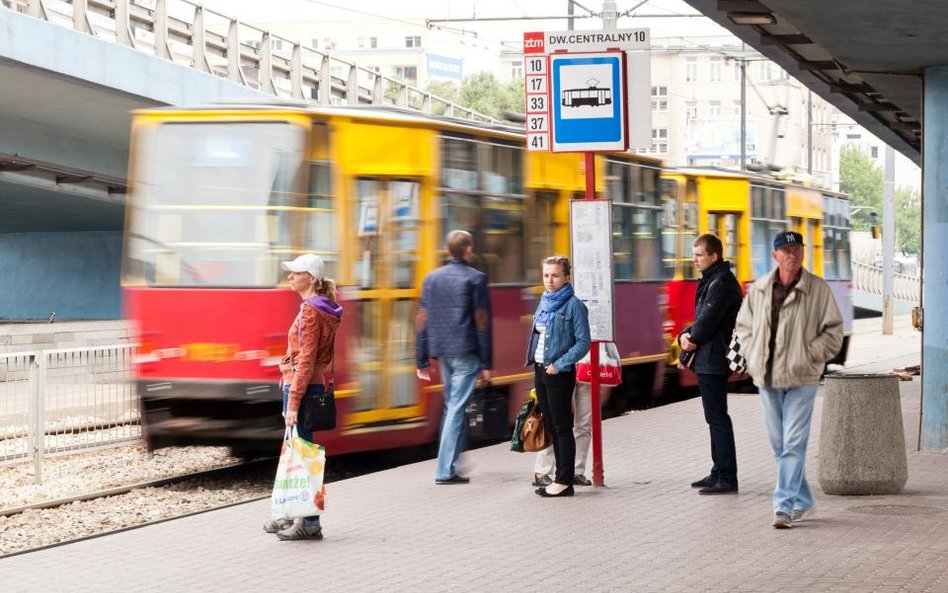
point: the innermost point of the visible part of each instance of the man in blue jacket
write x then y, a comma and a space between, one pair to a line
453, 325
705, 343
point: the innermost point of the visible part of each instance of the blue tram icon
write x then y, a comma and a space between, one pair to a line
592, 96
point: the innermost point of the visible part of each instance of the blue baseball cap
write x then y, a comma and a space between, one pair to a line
788, 238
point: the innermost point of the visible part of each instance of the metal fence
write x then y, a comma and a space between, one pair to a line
55, 402
868, 278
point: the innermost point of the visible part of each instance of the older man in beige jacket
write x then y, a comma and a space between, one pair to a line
789, 326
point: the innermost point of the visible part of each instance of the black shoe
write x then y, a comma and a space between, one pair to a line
704, 482
719, 488
455, 479
542, 492
543, 480
581, 480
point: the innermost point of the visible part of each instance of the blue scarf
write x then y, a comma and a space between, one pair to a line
551, 302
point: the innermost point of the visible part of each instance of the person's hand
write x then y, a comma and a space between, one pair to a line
686, 344
486, 375
291, 417
551, 369
423, 374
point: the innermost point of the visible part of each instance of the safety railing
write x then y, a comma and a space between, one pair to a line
868, 278
55, 402
189, 34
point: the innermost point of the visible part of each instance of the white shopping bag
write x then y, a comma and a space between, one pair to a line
298, 490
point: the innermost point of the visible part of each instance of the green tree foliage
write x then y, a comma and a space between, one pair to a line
863, 180
908, 220
483, 93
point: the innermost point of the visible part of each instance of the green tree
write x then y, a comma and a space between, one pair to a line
862, 179
483, 93
908, 220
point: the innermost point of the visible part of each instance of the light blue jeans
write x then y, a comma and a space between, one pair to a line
459, 374
787, 414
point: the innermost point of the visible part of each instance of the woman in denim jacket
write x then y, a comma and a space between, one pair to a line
558, 340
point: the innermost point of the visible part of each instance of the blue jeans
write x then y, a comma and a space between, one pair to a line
459, 373
787, 414
306, 435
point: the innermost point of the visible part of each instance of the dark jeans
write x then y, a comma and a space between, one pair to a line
555, 396
723, 452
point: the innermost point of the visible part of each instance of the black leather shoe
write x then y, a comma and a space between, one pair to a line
719, 488
455, 479
705, 482
542, 492
540, 480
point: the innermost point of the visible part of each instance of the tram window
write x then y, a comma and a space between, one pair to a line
483, 194
843, 254
618, 181
538, 234
321, 217
649, 184
636, 243
829, 255
210, 204
778, 199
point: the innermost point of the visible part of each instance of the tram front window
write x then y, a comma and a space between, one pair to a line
213, 204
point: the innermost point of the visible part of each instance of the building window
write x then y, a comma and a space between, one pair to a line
714, 108
659, 91
736, 71
360, 42
714, 69
659, 133
314, 43
766, 71
691, 111
737, 107
276, 44
516, 70
659, 105
874, 152
691, 69
413, 41
408, 73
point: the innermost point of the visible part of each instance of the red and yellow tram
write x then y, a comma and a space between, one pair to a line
220, 195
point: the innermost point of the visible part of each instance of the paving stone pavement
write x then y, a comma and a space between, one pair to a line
648, 531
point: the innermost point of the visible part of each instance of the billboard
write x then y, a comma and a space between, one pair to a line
720, 136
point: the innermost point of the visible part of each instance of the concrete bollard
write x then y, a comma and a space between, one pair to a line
862, 442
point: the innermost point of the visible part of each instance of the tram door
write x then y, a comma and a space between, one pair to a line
385, 255
725, 226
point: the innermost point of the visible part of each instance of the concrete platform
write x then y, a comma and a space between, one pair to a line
648, 531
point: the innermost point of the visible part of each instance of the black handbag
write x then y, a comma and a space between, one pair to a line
486, 414
319, 407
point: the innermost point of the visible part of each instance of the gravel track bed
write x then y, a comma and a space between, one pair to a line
93, 471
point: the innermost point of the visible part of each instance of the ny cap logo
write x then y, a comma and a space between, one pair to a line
790, 238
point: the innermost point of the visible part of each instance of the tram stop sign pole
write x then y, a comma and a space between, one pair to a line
578, 92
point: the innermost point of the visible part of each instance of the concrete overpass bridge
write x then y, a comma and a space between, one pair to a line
70, 73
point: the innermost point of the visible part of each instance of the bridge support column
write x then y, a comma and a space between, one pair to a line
934, 426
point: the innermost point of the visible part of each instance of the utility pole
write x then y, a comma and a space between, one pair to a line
569, 11
610, 14
809, 132
888, 240
743, 65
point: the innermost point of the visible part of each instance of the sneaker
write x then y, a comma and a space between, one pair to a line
541, 480
299, 530
782, 520
800, 514
277, 525
581, 480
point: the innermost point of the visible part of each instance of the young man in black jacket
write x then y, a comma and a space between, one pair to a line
705, 342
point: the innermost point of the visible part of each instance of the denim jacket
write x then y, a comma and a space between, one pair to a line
566, 338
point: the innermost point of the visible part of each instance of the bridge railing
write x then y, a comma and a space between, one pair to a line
187, 33
868, 278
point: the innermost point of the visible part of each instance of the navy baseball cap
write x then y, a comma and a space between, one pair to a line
788, 238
